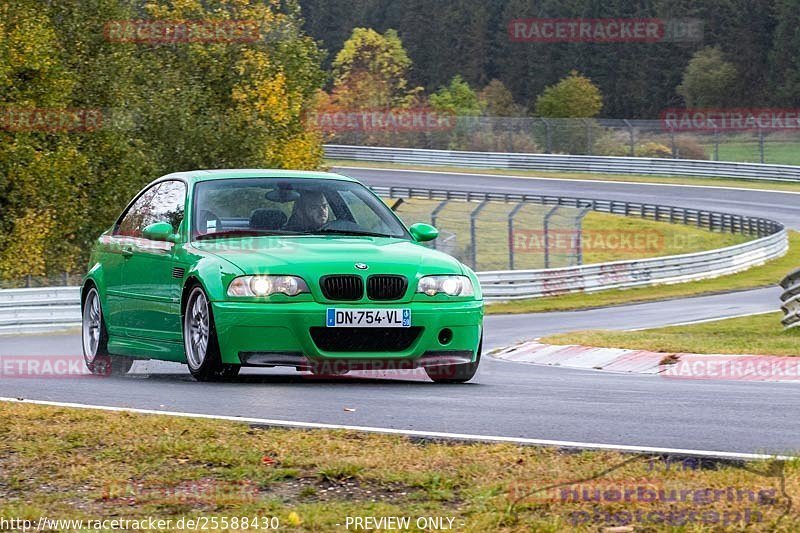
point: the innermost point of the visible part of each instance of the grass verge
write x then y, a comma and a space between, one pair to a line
59, 463
761, 276
593, 176
751, 335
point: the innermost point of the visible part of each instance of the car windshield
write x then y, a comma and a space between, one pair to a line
281, 206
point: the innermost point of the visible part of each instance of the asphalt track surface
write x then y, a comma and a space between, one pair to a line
505, 399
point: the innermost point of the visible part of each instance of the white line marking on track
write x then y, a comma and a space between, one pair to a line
414, 433
455, 173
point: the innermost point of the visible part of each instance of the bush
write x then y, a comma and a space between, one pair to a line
653, 149
689, 148
480, 141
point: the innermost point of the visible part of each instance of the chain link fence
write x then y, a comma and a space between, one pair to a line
494, 235
604, 137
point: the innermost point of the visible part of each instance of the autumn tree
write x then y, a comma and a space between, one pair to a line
370, 71
573, 97
457, 98
708, 79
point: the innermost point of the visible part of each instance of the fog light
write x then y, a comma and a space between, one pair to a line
445, 336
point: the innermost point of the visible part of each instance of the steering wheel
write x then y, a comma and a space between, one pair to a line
340, 224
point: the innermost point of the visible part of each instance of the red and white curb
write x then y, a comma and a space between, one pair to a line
668, 365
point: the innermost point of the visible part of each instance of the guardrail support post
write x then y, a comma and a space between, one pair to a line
511, 216
473, 241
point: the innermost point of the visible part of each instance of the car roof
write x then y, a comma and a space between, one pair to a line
193, 176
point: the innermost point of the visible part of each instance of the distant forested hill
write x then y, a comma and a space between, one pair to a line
638, 80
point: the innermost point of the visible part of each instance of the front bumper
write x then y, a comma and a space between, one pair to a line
280, 334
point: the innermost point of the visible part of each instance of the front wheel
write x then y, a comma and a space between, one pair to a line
200, 341
459, 373
95, 340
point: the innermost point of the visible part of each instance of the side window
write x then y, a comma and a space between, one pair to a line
168, 203
139, 214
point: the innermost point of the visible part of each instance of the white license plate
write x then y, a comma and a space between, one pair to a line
369, 318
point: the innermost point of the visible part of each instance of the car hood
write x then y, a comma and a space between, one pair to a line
312, 257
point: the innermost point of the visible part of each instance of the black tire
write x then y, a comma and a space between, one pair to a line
198, 322
460, 373
95, 350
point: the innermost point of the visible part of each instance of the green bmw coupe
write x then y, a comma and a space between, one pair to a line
229, 268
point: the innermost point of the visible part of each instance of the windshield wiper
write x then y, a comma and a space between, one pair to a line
243, 233
350, 232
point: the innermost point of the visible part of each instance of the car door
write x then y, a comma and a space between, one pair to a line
153, 278
117, 252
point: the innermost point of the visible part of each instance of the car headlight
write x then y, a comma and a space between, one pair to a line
267, 285
449, 285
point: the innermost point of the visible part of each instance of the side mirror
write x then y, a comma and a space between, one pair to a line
423, 232
160, 231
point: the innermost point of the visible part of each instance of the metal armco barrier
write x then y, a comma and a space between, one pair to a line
567, 163
518, 284
790, 300
39, 310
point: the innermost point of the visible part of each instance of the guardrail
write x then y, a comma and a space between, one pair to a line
567, 163
39, 310
791, 300
518, 284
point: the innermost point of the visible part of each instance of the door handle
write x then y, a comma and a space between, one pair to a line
127, 252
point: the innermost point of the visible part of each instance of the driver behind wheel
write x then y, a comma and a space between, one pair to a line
310, 212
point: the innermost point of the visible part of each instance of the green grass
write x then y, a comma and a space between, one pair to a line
751, 335
593, 176
54, 462
761, 276
775, 152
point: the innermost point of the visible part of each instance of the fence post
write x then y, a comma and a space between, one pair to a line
546, 227
434, 216
511, 216
588, 124
716, 144
761, 143
631, 134
548, 135
672, 142
472, 237
579, 236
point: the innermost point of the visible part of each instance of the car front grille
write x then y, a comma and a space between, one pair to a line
386, 287
342, 287
364, 339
